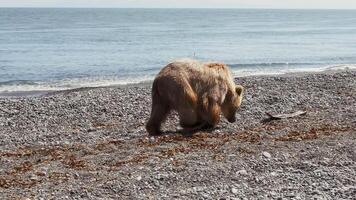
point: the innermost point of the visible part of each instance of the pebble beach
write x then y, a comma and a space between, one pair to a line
91, 143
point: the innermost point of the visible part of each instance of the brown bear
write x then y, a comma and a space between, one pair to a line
198, 91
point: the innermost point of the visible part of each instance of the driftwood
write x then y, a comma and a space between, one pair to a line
283, 116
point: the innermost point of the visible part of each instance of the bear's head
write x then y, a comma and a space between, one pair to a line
231, 103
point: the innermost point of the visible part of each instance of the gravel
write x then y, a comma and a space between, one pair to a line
92, 144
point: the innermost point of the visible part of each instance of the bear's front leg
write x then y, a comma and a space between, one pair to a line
213, 116
210, 112
189, 119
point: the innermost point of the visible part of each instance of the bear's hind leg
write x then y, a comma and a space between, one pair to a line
158, 115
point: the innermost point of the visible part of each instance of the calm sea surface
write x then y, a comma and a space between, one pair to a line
51, 49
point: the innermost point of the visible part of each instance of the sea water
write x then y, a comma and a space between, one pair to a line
55, 49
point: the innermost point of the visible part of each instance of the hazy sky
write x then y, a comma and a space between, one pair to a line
337, 4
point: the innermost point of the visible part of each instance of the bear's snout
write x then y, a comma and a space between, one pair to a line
232, 119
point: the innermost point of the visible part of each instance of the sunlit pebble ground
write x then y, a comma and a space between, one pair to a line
71, 117
91, 143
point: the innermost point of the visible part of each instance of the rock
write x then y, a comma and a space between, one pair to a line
273, 174
266, 154
34, 178
234, 190
242, 172
138, 178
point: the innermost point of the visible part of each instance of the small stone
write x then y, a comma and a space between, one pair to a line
291, 195
242, 172
266, 154
160, 177
34, 178
273, 174
139, 178
234, 190
91, 129
316, 192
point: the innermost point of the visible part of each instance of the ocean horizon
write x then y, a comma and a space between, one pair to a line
45, 49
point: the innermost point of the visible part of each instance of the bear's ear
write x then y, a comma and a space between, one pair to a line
239, 89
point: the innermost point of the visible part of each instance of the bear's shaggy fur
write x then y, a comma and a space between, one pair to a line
198, 91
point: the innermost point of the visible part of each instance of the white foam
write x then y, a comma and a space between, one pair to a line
266, 71
115, 81
73, 84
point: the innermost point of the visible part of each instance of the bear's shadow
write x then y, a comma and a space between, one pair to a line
189, 133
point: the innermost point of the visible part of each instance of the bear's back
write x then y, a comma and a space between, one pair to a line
198, 74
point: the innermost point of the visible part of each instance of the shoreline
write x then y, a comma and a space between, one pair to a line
36, 93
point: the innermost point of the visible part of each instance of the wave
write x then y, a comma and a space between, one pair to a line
18, 82
238, 70
66, 84
272, 64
